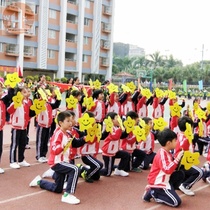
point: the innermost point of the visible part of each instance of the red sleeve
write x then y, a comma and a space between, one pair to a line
111, 99
11, 109
57, 144
141, 101
171, 102
155, 102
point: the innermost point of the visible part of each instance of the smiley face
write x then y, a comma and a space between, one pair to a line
201, 114
109, 124
112, 88
12, 80
159, 93
71, 102
88, 102
146, 92
190, 159
171, 94
86, 122
159, 124
38, 106
17, 100
188, 133
175, 110
129, 124
132, 86
139, 133
125, 89
91, 133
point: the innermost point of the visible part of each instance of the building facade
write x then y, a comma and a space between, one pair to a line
59, 38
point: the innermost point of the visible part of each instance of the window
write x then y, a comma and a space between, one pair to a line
34, 51
51, 34
50, 54
84, 58
1, 47
86, 22
87, 4
52, 14
3, 3
85, 40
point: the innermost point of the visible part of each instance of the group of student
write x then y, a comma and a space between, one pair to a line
67, 140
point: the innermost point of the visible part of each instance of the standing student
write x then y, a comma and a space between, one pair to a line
163, 179
59, 161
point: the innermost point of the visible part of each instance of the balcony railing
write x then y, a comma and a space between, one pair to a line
12, 50
70, 59
105, 44
104, 62
72, 2
106, 27
107, 10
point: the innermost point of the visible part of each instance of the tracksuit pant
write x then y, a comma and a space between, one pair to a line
42, 138
95, 167
18, 139
169, 196
61, 170
109, 162
148, 160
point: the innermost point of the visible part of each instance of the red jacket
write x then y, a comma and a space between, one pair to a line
142, 107
45, 118
99, 110
129, 143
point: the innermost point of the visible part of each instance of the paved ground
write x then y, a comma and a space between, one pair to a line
110, 193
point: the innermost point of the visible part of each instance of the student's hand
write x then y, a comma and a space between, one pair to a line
179, 156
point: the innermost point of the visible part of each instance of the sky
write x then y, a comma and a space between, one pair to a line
177, 27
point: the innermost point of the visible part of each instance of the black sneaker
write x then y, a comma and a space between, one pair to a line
147, 195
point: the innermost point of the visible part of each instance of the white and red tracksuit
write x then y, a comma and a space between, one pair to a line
141, 107
114, 106
99, 111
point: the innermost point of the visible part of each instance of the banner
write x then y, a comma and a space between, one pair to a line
185, 85
200, 85
170, 84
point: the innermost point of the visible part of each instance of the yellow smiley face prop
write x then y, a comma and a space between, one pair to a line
146, 92
91, 83
201, 129
86, 122
91, 133
12, 80
67, 146
188, 133
58, 94
97, 84
109, 124
159, 93
112, 88
171, 94
71, 102
132, 86
129, 124
139, 133
190, 159
38, 106
142, 123
42, 94
125, 89
88, 103
159, 124
201, 114
120, 122
175, 110
98, 132
48, 92
17, 100
195, 106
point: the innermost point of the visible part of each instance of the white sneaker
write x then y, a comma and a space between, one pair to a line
186, 191
34, 182
1, 170
14, 165
24, 164
49, 173
42, 160
120, 172
71, 199
208, 180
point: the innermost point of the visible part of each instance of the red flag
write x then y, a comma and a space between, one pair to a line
170, 84
20, 74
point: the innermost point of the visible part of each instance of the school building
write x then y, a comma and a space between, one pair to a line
59, 38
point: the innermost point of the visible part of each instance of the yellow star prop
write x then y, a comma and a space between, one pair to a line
91, 83
91, 133
175, 110
120, 122
86, 122
12, 80
129, 124
188, 133
17, 100
42, 94
171, 95
109, 124
159, 93
195, 106
88, 102
125, 89
132, 86
97, 84
159, 124
58, 94
67, 146
98, 132
139, 133
38, 106
112, 88
190, 159
48, 92
146, 92
201, 114
71, 102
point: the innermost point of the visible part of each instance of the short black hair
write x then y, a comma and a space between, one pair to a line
112, 115
182, 122
165, 136
91, 114
62, 116
133, 115
146, 119
96, 93
71, 112
75, 93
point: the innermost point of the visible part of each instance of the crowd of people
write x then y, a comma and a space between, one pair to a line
102, 120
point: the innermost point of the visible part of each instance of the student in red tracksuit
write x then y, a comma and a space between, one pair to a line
99, 109
114, 104
5, 98
111, 151
59, 161
89, 152
163, 180
128, 143
44, 121
19, 121
148, 145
